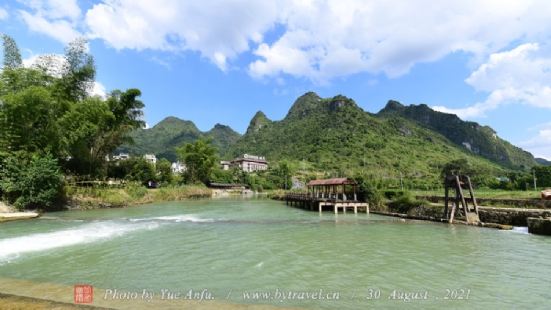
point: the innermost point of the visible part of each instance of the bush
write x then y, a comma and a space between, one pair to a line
404, 202
368, 192
32, 182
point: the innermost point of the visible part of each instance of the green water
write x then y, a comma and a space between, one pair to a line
231, 247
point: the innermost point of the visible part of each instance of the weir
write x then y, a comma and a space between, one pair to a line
338, 194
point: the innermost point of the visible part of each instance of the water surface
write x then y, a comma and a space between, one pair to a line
237, 247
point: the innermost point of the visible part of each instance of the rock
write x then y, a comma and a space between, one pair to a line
4, 208
540, 226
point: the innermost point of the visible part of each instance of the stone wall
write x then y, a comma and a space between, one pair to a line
504, 216
521, 203
510, 216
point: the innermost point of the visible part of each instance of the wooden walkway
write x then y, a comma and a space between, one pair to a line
334, 202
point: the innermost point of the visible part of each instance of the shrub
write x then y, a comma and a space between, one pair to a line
368, 192
32, 182
404, 202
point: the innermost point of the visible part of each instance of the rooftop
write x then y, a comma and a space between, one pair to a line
333, 181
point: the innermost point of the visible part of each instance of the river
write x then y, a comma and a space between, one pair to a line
254, 251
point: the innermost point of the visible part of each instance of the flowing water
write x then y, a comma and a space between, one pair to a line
261, 252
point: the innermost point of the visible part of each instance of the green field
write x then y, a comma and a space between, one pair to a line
488, 193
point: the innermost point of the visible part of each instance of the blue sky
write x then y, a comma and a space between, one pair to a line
220, 61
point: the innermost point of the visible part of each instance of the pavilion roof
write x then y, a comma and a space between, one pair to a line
333, 181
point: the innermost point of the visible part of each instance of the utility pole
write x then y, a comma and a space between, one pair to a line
535, 184
401, 181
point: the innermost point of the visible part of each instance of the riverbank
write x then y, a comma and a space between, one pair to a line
83, 198
8, 213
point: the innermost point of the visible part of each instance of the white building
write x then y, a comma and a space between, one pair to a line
250, 163
150, 158
121, 156
177, 167
225, 165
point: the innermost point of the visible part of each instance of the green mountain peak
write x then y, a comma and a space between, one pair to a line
258, 121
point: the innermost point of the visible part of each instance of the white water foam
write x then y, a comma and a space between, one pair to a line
520, 229
12, 248
175, 218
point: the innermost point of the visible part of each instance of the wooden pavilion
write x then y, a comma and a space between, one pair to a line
338, 193
336, 188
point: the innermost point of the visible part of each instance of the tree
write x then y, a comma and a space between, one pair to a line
79, 72
457, 167
200, 159
28, 121
543, 176
12, 56
284, 175
86, 128
164, 171
31, 181
139, 170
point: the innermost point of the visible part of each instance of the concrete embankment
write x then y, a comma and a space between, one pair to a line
540, 226
7, 213
13, 216
503, 218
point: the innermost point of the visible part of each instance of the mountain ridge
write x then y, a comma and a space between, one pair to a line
478, 139
165, 136
337, 136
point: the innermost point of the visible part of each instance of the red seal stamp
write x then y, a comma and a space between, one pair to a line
83, 294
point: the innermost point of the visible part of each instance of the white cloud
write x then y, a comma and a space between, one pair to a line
4, 14
315, 39
98, 90
540, 145
219, 30
338, 38
59, 29
520, 75
54, 9
55, 18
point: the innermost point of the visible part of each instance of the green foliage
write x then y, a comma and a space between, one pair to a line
163, 138
543, 175
200, 160
457, 167
78, 77
31, 181
368, 192
12, 56
338, 138
47, 114
231, 176
134, 169
164, 171
482, 140
404, 202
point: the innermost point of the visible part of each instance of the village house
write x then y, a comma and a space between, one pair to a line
121, 156
250, 163
225, 165
177, 167
150, 158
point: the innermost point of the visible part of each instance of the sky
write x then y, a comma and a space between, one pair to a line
221, 61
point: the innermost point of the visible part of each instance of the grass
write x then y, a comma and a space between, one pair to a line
132, 194
488, 193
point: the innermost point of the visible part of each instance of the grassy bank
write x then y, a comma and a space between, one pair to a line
100, 197
488, 193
